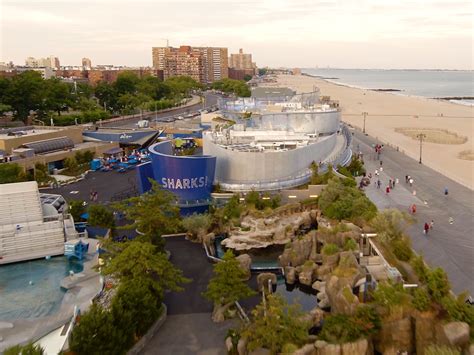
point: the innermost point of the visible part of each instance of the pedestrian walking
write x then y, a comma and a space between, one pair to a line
381, 169
431, 224
426, 228
390, 183
387, 190
406, 179
451, 220
413, 209
411, 181
91, 195
396, 181
376, 172
379, 183
381, 162
445, 191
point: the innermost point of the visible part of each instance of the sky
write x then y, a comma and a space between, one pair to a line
418, 34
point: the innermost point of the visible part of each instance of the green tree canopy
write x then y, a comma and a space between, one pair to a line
100, 216
137, 299
228, 282
276, 324
237, 87
126, 83
154, 213
99, 333
390, 224
140, 260
25, 93
11, 173
28, 349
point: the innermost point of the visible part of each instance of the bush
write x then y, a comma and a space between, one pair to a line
356, 167
438, 284
420, 268
350, 244
459, 310
402, 249
338, 329
390, 296
197, 223
41, 174
330, 249
28, 349
421, 299
76, 209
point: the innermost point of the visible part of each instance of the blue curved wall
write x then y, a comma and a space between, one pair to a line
190, 178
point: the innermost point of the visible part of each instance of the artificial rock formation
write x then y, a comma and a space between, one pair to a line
245, 262
278, 229
263, 279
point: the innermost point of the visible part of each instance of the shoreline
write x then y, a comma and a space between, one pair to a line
455, 100
387, 112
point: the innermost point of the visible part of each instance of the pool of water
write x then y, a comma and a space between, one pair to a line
31, 289
303, 295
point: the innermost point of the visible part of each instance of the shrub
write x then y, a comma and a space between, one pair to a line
459, 310
330, 249
420, 268
41, 174
438, 284
350, 244
76, 209
196, 223
28, 349
421, 299
402, 249
390, 296
11, 173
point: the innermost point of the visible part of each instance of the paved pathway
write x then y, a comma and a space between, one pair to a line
188, 329
450, 246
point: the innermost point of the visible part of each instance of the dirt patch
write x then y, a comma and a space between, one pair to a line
466, 155
433, 135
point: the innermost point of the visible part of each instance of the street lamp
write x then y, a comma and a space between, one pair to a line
421, 136
365, 115
156, 113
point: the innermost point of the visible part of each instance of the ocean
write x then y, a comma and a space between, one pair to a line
425, 83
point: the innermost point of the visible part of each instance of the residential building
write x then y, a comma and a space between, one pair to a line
49, 62
204, 64
86, 64
241, 60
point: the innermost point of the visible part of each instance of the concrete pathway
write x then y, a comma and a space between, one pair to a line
450, 246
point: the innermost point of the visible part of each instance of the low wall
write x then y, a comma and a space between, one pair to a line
138, 347
288, 196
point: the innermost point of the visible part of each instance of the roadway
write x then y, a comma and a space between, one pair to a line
169, 116
450, 246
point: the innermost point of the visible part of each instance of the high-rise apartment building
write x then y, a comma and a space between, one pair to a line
86, 64
204, 64
49, 62
241, 60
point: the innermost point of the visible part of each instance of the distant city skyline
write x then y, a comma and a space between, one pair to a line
414, 34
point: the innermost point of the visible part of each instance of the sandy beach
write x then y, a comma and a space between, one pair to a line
397, 119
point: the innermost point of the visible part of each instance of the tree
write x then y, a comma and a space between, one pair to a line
107, 95
71, 166
99, 333
247, 77
153, 87
28, 349
228, 282
154, 213
11, 173
140, 260
137, 299
274, 325
25, 93
41, 174
57, 95
126, 83
76, 209
237, 87
100, 216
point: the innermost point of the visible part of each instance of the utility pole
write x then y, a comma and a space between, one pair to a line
365, 115
421, 136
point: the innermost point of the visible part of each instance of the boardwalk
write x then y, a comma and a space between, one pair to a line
450, 246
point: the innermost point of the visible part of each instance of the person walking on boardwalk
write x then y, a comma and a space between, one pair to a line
431, 224
426, 228
406, 179
446, 191
413, 209
379, 183
411, 181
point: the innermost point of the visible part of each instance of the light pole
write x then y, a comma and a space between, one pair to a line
365, 115
421, 136
156, 113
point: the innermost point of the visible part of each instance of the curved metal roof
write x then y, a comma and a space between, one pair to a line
50, 145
